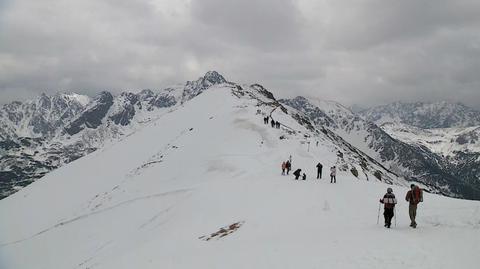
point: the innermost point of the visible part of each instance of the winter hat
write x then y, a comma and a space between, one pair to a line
411, 186
389, 190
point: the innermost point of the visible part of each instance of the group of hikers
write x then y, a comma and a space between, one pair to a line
287, 166
273, 123
414, 197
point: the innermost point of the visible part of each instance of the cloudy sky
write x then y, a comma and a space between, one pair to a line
358, 51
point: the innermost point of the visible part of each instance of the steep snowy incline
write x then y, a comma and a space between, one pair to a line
160, 197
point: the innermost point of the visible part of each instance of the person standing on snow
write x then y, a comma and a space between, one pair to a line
319, 170
414, 196
297, 173
284, 166
333, 174
288, 166
389, 202
304, 177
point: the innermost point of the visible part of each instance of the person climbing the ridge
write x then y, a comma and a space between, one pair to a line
319, 170
273, 123
297, 173
333, 174
304, 177
414, 196
288, 166
277, 125
284, 166
389, 201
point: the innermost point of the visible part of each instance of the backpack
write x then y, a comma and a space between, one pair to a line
417, 194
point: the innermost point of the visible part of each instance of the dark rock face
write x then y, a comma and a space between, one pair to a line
194, 88
263, 91
317, 115
93, 116
127, 111
163, 100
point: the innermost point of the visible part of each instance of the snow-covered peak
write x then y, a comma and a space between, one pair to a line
214, 77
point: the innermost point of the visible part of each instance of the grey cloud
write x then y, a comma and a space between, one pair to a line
365, 51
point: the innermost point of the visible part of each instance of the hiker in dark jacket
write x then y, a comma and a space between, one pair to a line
319, 170
289, 166
297, 173
273, 123
414, 196
304, 177
277, 124
389, 202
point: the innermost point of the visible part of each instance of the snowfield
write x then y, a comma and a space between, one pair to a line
153, 199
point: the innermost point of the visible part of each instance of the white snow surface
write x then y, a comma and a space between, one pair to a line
145, 201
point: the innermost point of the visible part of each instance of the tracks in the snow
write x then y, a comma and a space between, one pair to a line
84, 216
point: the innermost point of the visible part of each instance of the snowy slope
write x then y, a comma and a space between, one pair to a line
152, 200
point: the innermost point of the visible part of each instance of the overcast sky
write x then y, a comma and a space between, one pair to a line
358, 51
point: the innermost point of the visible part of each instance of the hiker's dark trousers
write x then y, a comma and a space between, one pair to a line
319, 173
412, 211
388, 214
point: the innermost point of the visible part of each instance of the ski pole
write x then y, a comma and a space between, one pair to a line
378, 215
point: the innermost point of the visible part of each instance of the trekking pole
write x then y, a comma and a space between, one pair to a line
378, 215
395, 215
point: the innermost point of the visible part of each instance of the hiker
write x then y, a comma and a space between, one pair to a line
277, 124
414, 196
265, 120
288, 166
333, 174
273, 123
297, 173
284, 166
317, 143
319, 170
389, 202
304, 177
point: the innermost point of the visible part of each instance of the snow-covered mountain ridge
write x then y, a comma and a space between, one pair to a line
107, 118
199, 186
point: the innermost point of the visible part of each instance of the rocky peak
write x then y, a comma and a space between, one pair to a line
213, 77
